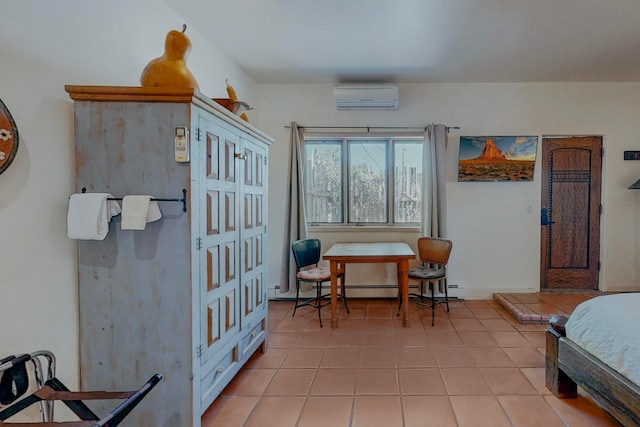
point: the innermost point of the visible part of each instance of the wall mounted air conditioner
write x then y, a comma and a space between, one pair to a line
366, 97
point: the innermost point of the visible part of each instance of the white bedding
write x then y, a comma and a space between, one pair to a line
609, 328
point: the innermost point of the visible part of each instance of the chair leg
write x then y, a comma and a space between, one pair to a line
295, 306
433, 304
319, 300
344, 295
446, 295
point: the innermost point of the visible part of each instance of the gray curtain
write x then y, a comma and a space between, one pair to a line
295, 225
434, 200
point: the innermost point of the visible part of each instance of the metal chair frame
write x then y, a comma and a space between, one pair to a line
50, 389
306, 253
434, 254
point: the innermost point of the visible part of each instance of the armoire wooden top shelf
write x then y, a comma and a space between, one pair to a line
158, 94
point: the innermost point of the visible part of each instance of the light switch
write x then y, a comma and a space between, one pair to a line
181, 144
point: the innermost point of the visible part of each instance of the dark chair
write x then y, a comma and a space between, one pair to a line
307, 255
434, 255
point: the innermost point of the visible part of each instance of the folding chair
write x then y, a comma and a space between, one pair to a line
15, 382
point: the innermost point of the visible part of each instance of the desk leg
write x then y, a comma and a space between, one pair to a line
333, 266
403, 286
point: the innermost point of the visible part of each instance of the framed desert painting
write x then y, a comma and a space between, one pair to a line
497, 158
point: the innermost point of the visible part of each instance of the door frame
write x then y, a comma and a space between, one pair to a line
597, 207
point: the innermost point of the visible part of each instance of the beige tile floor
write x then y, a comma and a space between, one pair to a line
477, 366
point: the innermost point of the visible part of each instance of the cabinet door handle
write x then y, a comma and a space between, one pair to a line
240, 156
220, 369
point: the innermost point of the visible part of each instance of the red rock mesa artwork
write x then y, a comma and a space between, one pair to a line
497, 158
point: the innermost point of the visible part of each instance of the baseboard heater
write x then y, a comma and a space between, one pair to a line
376, 287
292, 298
393, 298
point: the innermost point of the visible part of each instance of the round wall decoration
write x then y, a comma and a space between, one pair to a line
8, 137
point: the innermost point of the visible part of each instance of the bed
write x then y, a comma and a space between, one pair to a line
598, 349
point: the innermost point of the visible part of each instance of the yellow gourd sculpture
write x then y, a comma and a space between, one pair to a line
170, 69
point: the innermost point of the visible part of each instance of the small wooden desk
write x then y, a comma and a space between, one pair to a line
341, 254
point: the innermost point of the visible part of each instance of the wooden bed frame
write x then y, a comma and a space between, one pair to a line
569, 366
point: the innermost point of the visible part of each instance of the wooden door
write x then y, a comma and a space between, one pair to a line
570, 217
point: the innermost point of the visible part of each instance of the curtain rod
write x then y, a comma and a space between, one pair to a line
368, 128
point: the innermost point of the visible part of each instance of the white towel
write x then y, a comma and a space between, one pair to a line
89, 214
137, 211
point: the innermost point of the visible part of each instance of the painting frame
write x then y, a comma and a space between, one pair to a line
497, 158
8, 137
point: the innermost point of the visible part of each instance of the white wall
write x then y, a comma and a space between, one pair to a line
496, 238
43, 46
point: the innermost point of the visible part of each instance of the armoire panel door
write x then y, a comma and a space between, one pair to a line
220, 245
253, 232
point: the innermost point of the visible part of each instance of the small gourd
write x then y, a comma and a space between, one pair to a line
170, 69
232, 95
231, 91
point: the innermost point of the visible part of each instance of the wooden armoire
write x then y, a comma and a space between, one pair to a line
187, 296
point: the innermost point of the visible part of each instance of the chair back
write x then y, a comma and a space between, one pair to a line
434, 250
306, 252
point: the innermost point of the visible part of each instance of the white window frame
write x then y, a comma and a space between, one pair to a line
389, 225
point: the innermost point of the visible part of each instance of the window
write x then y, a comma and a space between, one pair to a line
363, 180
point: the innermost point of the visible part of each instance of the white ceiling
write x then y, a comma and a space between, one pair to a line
415, 41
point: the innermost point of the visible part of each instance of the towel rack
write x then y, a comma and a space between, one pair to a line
183, 200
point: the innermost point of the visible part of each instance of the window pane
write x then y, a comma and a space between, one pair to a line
407, 158
323, 181
367, 181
